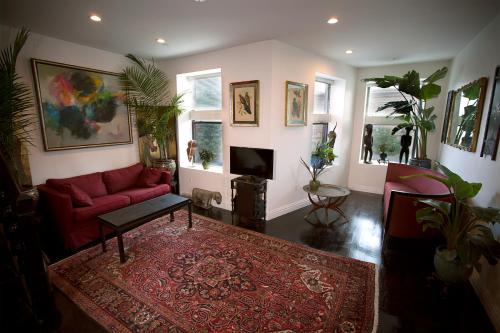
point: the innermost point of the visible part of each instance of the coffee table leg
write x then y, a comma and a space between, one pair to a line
120, 247
190, 215
103, 237
171, 216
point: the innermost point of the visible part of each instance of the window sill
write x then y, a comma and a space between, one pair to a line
374, 163
199, 167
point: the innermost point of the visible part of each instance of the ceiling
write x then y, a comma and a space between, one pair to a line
379, 32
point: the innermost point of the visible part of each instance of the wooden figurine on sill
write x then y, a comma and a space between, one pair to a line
405, 145
368, 143
191, 150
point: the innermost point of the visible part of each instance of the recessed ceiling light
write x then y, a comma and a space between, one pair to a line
95, 18
348, 51
160, 40
332, 20
200, 0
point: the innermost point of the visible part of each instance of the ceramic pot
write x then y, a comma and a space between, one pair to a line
383, 156
449, 268
204, 164
165, 163
314, 185
423, 163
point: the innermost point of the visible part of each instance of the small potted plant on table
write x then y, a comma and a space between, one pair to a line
465, 228
321, 157
206, 156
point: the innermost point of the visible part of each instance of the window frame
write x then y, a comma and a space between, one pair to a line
324, 134
193, 135
192, 79
328, 95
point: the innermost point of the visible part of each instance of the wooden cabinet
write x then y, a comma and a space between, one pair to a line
248, 200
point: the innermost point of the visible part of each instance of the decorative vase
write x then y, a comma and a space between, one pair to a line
423, 163
383, 156
204, 164
166, 163
450, 269
314, 185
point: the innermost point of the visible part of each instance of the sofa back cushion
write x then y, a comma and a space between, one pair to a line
121, 179
91, 184
78, 197
150, 177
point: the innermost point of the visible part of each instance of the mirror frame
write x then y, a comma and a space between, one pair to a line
483, 84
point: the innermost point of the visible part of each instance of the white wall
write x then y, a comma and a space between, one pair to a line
371, 178
480, 58
272, 63
67, 163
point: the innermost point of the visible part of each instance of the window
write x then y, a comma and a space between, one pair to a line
319, 134
382, 126
322, 97
207, 93
208, 135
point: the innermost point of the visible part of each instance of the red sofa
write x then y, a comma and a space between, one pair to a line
76, 223
400, 199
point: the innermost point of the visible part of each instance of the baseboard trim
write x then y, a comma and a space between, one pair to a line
369, 189
490, 305
287, 209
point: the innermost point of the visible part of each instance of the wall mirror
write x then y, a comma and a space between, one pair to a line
465, 117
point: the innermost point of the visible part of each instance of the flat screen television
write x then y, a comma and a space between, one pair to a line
251, 162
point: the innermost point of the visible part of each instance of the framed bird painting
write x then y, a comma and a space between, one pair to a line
296, 104
245, 103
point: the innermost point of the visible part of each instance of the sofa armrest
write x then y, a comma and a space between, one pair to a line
58, 207
166, 177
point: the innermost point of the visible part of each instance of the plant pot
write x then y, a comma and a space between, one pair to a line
383, 156
449, 268
204, 164
314, 185
165, 163
422, 163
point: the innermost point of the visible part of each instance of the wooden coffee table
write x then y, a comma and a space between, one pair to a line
127, 218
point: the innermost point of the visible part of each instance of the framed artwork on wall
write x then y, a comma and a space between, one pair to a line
245, 103
492, 133
80, 107
295, 104
447, 111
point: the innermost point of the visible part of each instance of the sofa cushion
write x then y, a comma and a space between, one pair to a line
91, 184
78, 197
150, 177
120, 179
101, 205
142, 194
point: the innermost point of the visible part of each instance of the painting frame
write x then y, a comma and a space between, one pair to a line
447, 112
296, 115
121, 109
491, 134
250, 102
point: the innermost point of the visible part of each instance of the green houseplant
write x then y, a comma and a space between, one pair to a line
465, 228
206, 157
147, 94
321, 157
16, 101
412, 109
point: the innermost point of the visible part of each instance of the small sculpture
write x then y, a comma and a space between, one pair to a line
332, 136
191, 149
203, 198
368, 143
405, 145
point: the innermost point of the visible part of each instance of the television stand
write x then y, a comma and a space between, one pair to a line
248, 200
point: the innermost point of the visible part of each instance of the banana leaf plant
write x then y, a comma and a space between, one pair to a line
147, 95
412, 109
466, 229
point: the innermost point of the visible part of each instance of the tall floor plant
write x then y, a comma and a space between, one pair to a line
147, 94
16, 101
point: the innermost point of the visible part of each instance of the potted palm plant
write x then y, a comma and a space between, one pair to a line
206, 157
465, 228
147, 94
412, 109
16, 118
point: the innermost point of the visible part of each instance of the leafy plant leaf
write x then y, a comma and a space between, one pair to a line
437, 75
429, 91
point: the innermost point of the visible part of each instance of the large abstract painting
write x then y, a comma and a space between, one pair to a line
80, 107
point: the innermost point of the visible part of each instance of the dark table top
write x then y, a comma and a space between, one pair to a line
123, 216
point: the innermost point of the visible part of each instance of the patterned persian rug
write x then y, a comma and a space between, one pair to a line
218, 278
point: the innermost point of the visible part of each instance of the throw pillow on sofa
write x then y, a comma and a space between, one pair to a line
78, 196
150, 177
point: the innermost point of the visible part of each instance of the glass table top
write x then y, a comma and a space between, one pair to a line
327, 190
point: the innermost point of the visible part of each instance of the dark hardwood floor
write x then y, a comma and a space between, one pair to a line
410, 300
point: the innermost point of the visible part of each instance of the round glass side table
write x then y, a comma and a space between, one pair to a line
327, 197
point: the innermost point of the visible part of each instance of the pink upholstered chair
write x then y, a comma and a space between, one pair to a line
400, 199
